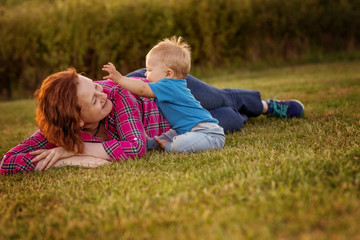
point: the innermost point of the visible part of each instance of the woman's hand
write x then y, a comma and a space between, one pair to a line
50, 157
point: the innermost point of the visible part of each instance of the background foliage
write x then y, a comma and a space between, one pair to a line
38, 37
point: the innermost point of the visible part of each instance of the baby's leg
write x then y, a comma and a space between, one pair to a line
192, 142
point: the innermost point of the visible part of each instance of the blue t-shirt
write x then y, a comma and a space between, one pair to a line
178, 105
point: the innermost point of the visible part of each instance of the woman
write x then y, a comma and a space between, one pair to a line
87, 123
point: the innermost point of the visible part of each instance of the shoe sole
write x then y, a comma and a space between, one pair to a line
303, 108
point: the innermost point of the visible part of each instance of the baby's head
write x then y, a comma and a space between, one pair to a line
170, 58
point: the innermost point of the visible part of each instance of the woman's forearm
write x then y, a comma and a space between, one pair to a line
94, 150
82, 161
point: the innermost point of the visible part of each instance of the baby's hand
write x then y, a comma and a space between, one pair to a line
114, 75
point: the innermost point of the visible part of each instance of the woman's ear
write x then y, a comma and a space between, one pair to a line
81, 124
169, 73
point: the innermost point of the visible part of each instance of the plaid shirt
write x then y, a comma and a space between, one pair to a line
130, 117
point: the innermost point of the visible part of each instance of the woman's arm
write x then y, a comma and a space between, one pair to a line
82, 161
23, 157
18, 159
49, 157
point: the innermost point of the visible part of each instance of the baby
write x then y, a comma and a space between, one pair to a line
193, 129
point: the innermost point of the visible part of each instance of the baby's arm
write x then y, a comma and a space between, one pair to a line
135, 86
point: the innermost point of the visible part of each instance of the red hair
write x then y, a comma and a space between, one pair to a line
58, 111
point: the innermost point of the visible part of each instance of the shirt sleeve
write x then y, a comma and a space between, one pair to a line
18, 159
164, 89
129, 139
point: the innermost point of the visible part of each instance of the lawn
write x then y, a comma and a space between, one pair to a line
275, 179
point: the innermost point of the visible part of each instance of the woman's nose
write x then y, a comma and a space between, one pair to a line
99, 88
102, 96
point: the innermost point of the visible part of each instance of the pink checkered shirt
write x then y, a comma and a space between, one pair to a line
130, 117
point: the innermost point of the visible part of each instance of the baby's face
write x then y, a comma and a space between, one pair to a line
155, 69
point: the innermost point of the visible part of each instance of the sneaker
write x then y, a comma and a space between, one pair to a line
285, 109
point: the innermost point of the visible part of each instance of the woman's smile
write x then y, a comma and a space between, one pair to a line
105, 103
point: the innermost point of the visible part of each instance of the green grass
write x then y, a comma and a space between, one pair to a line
276, 179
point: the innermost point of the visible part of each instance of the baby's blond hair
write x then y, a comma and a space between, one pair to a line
175, 54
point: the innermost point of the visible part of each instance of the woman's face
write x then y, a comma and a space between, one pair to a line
94, 103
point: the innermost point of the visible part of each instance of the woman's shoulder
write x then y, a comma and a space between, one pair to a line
39, 139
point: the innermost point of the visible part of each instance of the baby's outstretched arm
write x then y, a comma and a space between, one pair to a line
114, 75
135, 86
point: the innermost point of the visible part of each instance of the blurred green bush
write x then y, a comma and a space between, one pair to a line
39, 37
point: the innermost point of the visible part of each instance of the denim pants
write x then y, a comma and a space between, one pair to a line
191, 142
232, 107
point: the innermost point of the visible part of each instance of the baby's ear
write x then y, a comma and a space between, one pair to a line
170, 73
